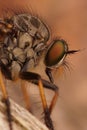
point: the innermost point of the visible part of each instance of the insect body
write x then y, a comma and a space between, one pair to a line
23, 39
23, 45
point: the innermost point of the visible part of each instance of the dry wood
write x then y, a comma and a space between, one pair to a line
22, 119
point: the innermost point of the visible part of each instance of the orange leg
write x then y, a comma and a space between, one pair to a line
47, 118
54, 88
53, 102
41, 89
32, 77
2, 86
6, 100
51, 86
25, 94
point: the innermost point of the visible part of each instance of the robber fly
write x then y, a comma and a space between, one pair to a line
23, 40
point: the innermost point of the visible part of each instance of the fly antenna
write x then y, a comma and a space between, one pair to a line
72, 51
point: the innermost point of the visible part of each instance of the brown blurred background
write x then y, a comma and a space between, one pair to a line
67, 19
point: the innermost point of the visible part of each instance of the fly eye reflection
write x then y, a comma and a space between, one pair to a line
56, 53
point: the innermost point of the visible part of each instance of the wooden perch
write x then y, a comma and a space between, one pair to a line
22, 119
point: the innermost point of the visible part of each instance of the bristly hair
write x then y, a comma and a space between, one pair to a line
10, 11
66, 66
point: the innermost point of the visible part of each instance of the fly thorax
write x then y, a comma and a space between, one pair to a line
23, 49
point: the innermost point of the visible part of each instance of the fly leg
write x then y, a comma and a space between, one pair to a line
25, 95
6, 100
7, 74
51, 86
29, 76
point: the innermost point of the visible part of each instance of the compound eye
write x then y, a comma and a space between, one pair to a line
56, 53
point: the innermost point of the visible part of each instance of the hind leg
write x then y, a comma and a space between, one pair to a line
29, 76
6, 100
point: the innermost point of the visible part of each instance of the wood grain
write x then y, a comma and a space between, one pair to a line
22, 119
